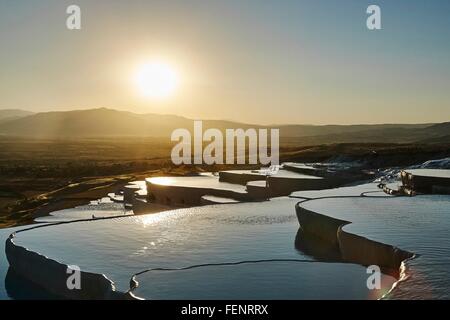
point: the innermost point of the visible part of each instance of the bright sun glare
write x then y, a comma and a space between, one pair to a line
157, 80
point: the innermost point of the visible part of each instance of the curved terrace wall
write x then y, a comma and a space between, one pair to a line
52, 276
425, 183
281, 186
239, 178
353, 248
189, 196
320, 172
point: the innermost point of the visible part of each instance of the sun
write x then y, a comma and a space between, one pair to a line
157, 80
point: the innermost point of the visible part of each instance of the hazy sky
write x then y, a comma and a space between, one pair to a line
254, 61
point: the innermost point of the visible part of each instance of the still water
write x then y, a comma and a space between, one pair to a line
101, 208
124, 246
417, 224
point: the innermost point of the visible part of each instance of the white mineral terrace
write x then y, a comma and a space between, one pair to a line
279, 174
434, 173
275, 248
413, 224
201, 181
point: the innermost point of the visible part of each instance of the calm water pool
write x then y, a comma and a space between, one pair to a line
99, 209
418, 224
261, 281
124, 246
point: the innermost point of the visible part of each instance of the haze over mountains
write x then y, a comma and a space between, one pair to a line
13, 114
98, 123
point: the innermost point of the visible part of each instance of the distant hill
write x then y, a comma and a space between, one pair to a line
13, 114
83, 123
314, 130
439, 129
104, 122
101, 122
437, 140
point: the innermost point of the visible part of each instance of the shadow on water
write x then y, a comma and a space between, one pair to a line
321, 250
20, 288
315, 247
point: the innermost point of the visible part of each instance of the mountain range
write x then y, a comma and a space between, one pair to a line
104, 122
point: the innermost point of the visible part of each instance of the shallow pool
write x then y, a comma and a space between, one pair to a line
418, 224
101, 208
124, 246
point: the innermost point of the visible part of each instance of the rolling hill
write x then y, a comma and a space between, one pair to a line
104, 122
